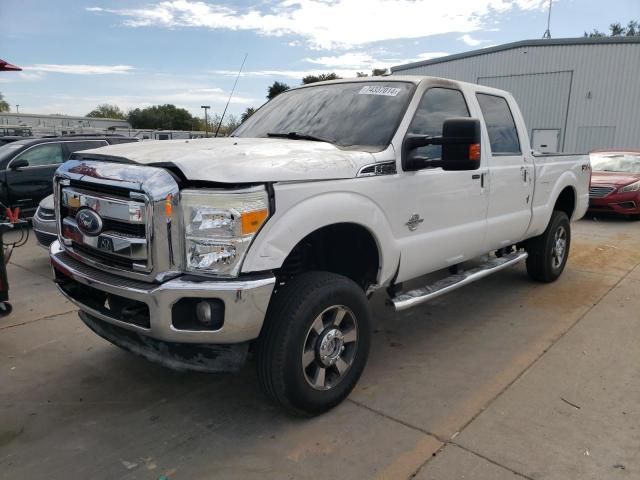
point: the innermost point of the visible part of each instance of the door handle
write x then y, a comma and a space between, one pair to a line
479, 176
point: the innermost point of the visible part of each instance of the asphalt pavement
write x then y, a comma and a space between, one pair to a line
503, 379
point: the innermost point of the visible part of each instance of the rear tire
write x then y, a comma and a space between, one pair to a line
315, 342
548, 252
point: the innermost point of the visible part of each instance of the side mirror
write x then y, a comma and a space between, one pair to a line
460, 142
18, 164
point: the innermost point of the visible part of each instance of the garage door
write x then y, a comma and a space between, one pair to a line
542, 97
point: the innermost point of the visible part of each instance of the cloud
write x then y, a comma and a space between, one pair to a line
21, 77
326, 24
469, 40
361, 61
80, 69
346, 65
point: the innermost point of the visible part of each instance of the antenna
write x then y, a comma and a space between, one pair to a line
231, 95
547, 32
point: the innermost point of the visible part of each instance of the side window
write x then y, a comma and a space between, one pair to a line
85, 145
45, 154
437, 105
501, 127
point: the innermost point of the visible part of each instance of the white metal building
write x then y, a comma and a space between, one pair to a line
576, 94
61, 124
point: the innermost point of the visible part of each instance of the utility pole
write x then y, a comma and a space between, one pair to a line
206, 121
547, 32
17, 108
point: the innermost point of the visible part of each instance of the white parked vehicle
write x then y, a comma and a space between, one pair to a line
195, 253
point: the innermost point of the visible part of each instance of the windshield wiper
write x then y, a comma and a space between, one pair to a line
298, 136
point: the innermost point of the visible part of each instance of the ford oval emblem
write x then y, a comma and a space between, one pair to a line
89, 222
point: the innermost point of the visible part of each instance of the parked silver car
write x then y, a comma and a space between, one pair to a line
44, 222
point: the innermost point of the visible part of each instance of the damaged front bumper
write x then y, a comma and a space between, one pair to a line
142, 317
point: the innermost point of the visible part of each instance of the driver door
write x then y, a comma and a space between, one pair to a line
440, 217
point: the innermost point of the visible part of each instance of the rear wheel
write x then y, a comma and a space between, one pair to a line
315, 342
548, 252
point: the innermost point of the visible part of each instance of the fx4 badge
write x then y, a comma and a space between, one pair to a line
414, 222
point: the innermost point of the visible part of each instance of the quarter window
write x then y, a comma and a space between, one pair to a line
501, 127
436, 106
86, 145
45, 154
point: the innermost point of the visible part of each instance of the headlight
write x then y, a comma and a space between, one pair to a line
219, 226
633, 187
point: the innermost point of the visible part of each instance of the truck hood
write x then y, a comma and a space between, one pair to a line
617, 179
242, 160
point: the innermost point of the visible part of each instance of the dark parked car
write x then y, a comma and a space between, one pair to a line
27, 166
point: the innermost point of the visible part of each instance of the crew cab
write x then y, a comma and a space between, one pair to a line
197, 253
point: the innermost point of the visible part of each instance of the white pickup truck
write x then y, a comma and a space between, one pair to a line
196, 253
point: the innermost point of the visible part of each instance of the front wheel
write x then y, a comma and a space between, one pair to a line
315, 342
548, 253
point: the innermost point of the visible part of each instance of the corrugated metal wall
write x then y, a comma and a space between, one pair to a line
598, 86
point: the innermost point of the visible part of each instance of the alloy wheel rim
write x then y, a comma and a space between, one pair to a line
329, 348
559, 248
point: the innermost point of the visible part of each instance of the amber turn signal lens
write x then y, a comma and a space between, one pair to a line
251, 221
168, 207
474, 151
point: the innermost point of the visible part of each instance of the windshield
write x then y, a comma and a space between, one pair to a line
616, 162
360, 115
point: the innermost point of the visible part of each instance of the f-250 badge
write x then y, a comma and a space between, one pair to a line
414, 222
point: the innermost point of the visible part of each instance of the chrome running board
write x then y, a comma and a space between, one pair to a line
420, 295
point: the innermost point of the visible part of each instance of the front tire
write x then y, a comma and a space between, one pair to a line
548, 253
315, 342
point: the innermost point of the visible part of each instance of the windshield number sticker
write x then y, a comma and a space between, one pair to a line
384, 91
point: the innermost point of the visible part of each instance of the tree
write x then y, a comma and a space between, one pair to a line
361, 74
632, 29
319, 78
276, 89
107, 110
165, 117
246, 114
378, 72
4, 105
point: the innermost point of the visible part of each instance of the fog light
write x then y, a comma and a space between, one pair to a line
198, 314
204, 312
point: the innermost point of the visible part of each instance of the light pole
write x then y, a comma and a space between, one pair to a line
206, 121
17, 108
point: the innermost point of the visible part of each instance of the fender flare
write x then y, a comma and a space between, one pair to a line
285, 230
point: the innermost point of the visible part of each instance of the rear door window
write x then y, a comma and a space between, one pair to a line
85, 145
503, 134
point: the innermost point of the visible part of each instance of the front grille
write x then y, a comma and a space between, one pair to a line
105, 189
102, 257
125, 228
600, 192
120, 242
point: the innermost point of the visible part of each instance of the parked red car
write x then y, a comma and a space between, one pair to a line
615, 182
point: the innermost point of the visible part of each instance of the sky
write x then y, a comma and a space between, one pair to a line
77, 54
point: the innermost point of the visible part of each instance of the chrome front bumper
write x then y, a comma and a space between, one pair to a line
245, 301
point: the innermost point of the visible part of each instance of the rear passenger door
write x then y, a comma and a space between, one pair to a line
510, 180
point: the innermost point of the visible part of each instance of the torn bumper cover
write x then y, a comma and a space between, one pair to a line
149, 318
